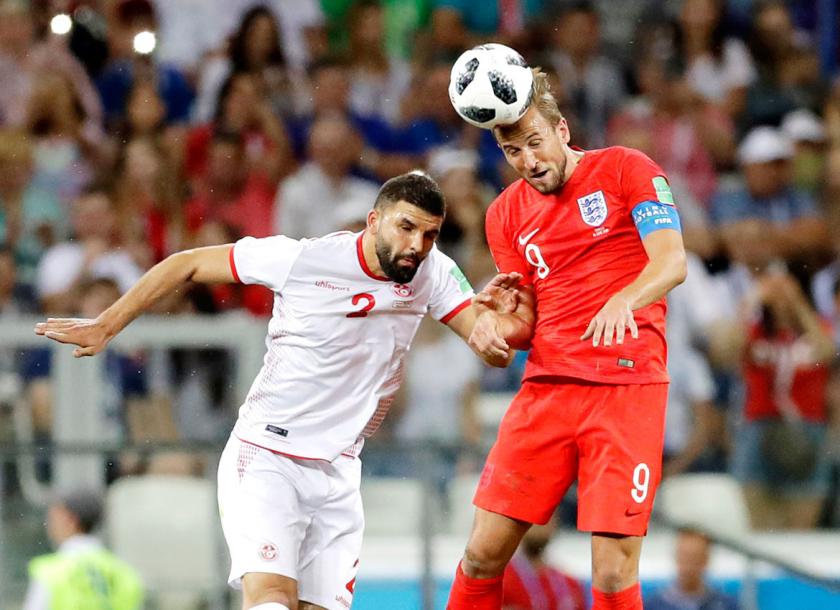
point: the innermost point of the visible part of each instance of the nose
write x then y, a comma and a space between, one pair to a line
416, 244
529, 159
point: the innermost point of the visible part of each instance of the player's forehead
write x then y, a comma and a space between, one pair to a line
404, 211
532, 124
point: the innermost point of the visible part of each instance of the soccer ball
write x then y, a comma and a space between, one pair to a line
490, 85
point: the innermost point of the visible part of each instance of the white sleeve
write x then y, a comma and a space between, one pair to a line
37, 597
701, 385
452, 290
57, 270
267, 261
292, 215
738, 68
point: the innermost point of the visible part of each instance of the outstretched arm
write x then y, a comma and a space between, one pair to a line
209, 265
500, 320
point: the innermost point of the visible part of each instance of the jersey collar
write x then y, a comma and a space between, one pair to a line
363, 263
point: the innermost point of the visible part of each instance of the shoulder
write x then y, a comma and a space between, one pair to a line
61, 251
331, 242
623, 154
302, 178
508, 198
437, 260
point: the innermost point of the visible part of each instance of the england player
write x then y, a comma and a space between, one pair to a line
346, 308
597, 238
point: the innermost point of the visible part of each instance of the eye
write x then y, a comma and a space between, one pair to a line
535, 143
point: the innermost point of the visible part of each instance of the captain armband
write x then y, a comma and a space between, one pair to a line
650, 216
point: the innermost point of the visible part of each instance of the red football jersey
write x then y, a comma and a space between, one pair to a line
526, 588
578, 247
783, 368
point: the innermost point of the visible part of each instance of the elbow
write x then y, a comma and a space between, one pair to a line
181, 266
680, 269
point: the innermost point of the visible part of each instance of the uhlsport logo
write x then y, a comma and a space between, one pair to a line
593, 208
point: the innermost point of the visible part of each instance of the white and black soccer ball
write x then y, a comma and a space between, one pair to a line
490, 85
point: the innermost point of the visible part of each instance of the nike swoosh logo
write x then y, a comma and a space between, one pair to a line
630, 513
523, 239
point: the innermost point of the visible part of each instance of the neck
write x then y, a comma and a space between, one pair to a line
696, 43
573, 158
369, 253
693, 587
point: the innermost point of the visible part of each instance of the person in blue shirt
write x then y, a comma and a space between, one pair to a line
789, 219
690, 590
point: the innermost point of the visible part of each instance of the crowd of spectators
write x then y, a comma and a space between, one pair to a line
137, 128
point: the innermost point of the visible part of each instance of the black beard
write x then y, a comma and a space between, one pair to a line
395, 273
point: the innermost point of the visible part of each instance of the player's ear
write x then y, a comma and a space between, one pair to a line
373, 221
562, 130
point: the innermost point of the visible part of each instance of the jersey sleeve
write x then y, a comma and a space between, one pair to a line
648, 194
452, 291
643, 180
266, 261
501, 245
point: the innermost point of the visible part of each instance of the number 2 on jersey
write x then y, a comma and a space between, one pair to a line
363, 312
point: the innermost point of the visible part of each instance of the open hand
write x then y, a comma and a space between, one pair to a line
90, 336
613, 320
501, 294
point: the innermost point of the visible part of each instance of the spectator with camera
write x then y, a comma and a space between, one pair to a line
784, 351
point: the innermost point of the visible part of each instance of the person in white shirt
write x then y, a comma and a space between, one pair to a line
309, 201
346, 308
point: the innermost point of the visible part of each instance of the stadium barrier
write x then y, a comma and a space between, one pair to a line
407, 562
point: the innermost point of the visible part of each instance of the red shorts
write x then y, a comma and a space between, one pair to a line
608, 437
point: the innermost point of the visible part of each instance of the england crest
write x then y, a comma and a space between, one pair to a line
593, 208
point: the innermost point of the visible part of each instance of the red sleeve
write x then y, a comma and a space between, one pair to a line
501, 243
576, 590
637, 176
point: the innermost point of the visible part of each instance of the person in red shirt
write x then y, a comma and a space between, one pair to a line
532, 584
596, 239
784, 351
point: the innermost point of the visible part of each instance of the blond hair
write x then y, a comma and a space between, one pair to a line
542, 99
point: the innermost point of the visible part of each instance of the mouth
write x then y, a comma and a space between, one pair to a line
539, 175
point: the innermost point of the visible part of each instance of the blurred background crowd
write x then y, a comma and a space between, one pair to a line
130, 129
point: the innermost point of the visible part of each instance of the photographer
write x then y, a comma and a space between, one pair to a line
784, 350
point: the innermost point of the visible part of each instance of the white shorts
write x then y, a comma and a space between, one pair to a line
294, 517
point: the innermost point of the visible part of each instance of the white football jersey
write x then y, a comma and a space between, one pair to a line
336, 340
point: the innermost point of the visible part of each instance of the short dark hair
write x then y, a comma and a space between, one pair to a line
417, 188
85, 506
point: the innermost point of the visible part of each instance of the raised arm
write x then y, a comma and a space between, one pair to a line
209, 265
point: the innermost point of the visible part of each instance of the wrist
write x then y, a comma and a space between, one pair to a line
108, 322
624, 299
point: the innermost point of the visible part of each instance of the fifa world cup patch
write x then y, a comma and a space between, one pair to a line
663, 190
463, 282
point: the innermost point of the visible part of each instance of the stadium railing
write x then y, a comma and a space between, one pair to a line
425, 556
